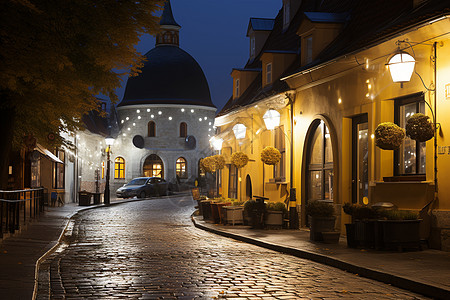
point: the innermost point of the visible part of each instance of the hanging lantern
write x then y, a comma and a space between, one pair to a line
216, 143
401, 66
239, 131
271, 119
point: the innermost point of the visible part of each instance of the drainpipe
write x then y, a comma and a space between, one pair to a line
293, 215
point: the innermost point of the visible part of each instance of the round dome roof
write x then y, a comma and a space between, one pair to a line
169, 76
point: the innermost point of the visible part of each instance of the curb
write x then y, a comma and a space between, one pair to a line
398, 281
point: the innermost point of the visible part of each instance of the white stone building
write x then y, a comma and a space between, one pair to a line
164, 122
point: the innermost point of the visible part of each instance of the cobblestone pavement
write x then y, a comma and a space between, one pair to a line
151, 250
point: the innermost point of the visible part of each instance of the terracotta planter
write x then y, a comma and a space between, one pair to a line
319, 225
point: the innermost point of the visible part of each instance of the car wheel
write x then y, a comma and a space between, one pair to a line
142, 194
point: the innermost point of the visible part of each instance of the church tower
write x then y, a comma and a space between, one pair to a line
170, 30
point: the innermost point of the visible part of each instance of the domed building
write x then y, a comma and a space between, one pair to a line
166, 116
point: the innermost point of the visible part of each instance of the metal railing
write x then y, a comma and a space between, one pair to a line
12, 203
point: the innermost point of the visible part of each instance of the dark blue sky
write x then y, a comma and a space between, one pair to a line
214, 33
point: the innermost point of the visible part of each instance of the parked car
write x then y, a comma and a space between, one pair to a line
144, 187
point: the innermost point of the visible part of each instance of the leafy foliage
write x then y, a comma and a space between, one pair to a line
361, 212
399, 215
212, 163
270, 155
389, 136
319, 209
277, 206
419, 128
239, 159
57, 55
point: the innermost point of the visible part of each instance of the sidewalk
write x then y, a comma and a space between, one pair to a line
425, 272
20, 252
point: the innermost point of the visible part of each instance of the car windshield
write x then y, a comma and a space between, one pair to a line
137, 181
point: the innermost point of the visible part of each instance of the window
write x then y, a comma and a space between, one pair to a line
308, 49
252, 46
410, 158
119, 168
151, 129
268, 73
58, 171
233, 181
183, 129
320, 163
279, 170
181, 168
153, 166
236, 88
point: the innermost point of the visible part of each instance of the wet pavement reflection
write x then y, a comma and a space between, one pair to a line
150, 250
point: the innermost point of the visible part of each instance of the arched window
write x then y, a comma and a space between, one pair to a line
119, 168
181, 167
153, 166
151, 128
183, 129
320, 163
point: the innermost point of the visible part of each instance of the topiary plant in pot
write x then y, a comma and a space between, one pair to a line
322, 219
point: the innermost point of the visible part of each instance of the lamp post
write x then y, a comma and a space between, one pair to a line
216, 143
272, 120
109, 141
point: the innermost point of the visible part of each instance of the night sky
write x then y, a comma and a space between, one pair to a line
214, 33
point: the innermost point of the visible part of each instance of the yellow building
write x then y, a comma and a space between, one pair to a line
340, 88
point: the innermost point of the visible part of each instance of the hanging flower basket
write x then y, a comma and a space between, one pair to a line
419, 128
270, 155
239, 159
388, 136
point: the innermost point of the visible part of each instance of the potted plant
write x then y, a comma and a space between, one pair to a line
234, 213
362, 230
255, 211
389, 136
275, 214
399, 229
322, 219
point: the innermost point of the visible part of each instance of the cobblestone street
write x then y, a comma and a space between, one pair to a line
150, 250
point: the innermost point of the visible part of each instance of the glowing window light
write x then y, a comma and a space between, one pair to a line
159, 112
192, 111
138, 111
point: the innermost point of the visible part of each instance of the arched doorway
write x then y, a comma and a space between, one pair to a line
248, 187
319, 165
153, 166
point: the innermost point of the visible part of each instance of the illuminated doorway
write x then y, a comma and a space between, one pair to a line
153, 166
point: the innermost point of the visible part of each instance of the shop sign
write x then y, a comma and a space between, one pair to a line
442, 150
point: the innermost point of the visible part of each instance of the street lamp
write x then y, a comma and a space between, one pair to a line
216, 143
109, 141
272, 120
239, 131
401, 66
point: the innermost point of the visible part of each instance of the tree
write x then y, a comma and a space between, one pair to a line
55, 56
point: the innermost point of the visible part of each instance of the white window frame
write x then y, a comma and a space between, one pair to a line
268, 73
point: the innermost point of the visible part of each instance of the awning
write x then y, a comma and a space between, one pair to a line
47, 153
